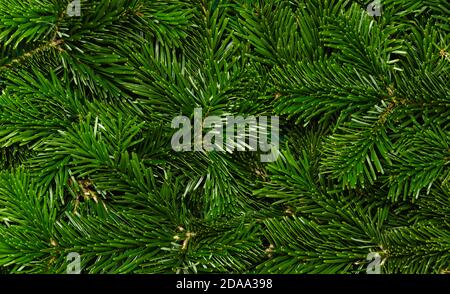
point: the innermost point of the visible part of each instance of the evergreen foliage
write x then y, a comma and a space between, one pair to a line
87, 166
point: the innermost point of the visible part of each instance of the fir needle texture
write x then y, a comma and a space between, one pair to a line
88, 173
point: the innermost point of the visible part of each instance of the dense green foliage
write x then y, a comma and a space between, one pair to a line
86, 161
